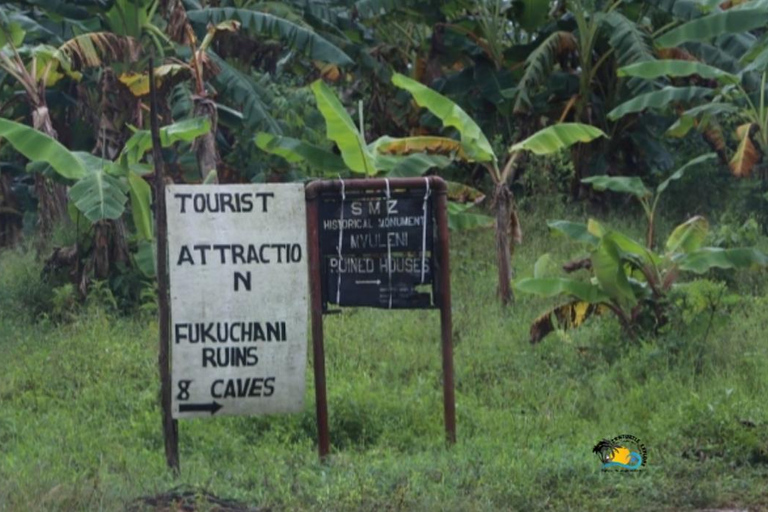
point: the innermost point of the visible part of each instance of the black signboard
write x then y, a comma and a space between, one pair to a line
386, 256
375, 224
365, 281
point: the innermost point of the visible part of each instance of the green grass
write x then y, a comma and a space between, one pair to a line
80, 423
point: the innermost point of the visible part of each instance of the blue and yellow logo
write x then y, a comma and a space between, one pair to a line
623, 452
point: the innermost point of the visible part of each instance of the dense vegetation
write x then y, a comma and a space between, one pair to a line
605, 161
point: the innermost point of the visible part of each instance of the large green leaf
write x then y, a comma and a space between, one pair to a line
627, 38
634, 251
410, 166
472, 137
704, 259
145, 257
659, 100
688, 236
15, 33
574, 230
676, 68
707, 111
294, 151
183, 131
98, 195
714, 25
554, 286
38, 147
558, 137
342, 131
461, 217
539, 65
297, 37
681, 171
532, 14
141, 200
622, 184
241, 90
609, 271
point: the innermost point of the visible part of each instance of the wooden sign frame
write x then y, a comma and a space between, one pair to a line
442, 299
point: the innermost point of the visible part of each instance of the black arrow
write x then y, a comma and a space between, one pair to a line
212, 407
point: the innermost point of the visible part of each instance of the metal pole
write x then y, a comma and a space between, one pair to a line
318, 349
446, 322
170, 426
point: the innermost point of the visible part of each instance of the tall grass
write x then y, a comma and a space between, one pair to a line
80, 424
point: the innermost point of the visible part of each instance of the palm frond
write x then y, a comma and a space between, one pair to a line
297, 37
242, 91
540, 64
628, 39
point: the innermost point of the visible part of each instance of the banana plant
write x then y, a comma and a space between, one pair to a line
723, 86
634, 186
101, 188
627, 279
705, 105
473, 147
356, 155
36, 68
381, 157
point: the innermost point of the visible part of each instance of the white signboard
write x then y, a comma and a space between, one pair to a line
238, 274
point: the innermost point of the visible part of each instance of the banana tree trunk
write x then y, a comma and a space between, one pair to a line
580, 156
51, 196
205, 145
109, 246
10, 214
503, 206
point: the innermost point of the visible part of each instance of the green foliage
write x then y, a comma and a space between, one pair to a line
342, 130
676, 68
461, 217
243, 91
555, 286
661, 99
451, 115
141, 201
64, 302
729, 234
702, 260
24, 291
183, 131
99, 195
38, 147
625, 185
300, 38
648, 200
628, 38
558, 137
539, 65
732, 21
293, 151
631, 280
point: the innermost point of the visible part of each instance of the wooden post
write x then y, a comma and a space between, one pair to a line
318, 349
170, 426
441, 254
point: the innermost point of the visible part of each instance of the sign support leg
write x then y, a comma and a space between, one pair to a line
170, 426
318, 349
446, 322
